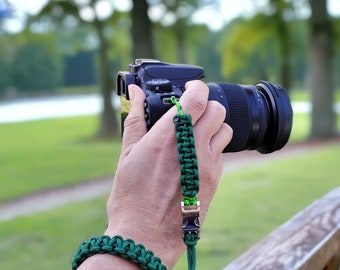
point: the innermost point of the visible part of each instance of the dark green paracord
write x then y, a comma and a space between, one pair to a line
116, 245
189, 181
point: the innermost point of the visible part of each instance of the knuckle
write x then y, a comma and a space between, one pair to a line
131, 121
218, 109
198, 103
195, 96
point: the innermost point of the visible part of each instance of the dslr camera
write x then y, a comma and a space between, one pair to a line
260, 114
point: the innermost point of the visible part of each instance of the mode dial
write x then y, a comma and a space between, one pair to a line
159, 85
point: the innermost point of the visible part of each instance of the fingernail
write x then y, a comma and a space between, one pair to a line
131, 92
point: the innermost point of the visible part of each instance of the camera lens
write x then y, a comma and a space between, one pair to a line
261, 115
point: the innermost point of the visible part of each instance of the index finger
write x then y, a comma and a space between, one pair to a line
193, 101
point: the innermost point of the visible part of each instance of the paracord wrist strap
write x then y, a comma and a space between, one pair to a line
189, 181
116, 245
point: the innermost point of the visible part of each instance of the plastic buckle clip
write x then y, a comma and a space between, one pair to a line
190, 222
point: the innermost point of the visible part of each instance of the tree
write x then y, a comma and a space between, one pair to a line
282, 33
174, 17
62, 10
320, 71
6, 59
141, 31
250, 50
36, 67
266, 38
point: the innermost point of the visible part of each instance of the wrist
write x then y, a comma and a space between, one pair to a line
119, 247
158, 242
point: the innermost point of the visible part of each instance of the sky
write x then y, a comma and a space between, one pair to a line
214, 18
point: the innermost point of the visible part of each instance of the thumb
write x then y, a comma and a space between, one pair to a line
134, 124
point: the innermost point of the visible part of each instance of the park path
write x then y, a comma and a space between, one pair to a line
87, 190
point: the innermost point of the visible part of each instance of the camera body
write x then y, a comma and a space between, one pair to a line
159, 81
261, 115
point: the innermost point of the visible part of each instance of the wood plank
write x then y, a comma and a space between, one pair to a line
308, 241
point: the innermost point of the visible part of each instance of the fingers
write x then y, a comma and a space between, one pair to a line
221, 138
211, 121
211, 128
134, 125
195, 99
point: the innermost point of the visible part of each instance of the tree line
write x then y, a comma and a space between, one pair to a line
275, 44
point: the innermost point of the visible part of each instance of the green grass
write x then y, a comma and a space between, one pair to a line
248, 205
52, 153
37, 155
48, 240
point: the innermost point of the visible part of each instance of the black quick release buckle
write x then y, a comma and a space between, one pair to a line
190, 224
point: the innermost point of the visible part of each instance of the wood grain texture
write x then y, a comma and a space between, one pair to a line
308, 241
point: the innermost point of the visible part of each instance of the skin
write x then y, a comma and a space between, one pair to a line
144, 203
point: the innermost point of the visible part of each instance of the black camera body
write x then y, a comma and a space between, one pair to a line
260, 115
159, 81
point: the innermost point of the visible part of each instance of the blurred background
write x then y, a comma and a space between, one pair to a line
60, 123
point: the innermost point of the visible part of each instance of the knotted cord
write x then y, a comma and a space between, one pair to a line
189, 182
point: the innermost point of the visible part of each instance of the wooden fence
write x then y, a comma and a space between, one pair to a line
308, 241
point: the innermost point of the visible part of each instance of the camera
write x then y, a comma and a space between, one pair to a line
261, 115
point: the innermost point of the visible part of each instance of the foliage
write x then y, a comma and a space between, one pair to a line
174, 17
36, 68
5, 71
80, 69
60, 12
206, 42
246, 50
244, 40
31, 62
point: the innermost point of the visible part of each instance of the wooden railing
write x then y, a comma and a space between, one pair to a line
308, 241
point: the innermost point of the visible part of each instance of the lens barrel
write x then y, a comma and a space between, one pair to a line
261, 115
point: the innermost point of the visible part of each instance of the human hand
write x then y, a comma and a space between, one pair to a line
144, 203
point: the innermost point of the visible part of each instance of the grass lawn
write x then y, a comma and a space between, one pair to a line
48, 240
247, 206
50, 153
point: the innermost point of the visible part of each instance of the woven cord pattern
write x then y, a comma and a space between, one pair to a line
126, 249
187, 157
189, 173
